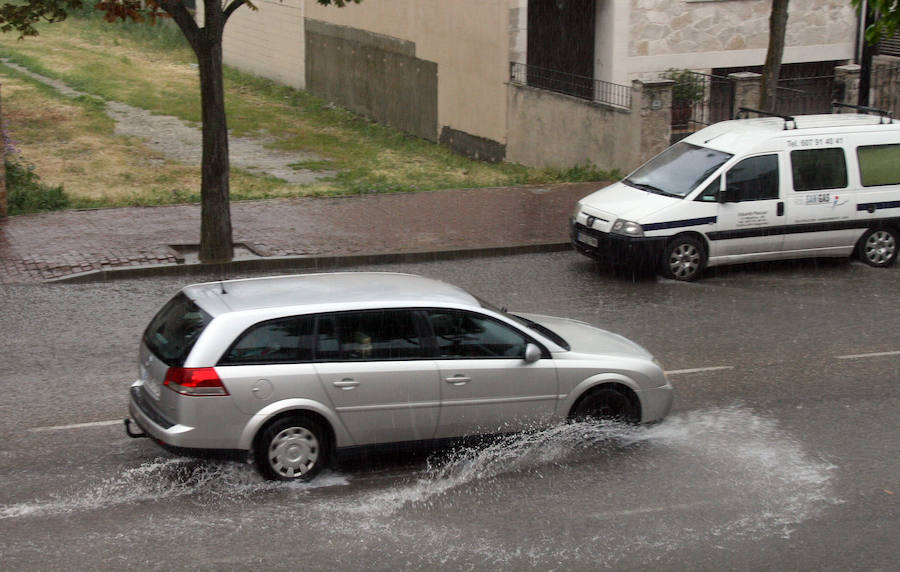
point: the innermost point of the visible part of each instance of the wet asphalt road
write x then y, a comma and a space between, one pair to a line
782, 452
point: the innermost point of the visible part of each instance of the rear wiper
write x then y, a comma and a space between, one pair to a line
650, 189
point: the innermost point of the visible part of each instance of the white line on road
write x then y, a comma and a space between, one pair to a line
77, 426
699, 369
862, 356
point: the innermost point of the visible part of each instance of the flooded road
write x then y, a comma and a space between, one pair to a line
781, 452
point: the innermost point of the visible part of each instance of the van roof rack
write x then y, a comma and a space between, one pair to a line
882, 113
744, 111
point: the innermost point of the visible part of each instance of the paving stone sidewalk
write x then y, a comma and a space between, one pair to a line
41, 247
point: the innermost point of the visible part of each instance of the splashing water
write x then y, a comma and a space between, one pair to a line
700, 477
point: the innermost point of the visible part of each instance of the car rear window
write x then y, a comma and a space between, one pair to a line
173, 331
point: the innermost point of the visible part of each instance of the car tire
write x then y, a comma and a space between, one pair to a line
684, 259
878, 247
606, 403
292, 448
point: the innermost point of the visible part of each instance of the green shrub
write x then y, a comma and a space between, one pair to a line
26, 194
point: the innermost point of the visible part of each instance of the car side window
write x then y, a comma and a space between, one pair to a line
818, 169
461, 334
754, 178
285, 340
368, 336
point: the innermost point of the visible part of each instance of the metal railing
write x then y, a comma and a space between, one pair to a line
582, 87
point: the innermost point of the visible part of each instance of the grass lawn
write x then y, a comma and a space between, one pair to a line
71, 142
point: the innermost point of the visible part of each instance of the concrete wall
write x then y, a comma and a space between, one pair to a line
267, 42
373, 75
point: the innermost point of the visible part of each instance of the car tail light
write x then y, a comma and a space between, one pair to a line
194, 381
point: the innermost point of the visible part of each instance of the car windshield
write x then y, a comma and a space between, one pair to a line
678, 170
173, 331
530, 324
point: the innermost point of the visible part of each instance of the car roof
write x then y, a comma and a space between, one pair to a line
339, 288
738, 136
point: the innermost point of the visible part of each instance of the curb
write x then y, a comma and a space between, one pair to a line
303, 263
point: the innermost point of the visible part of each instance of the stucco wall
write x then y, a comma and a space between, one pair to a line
469, 40
549, 129
267, 42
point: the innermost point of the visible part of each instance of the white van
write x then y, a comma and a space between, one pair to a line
750, 190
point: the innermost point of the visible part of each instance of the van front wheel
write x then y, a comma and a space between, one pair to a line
684, 259
878, 247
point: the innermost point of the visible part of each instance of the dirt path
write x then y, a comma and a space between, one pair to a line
181, 141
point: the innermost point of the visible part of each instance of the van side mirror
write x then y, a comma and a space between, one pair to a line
730, 195
532, 353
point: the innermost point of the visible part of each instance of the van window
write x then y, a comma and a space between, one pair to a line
678, 170
817, 169
754, 178
879, 165
285, 340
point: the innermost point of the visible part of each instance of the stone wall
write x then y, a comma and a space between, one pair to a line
661, 27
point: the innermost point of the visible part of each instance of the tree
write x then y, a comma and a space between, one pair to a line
887, 18
881, 20
772, 69
206, 42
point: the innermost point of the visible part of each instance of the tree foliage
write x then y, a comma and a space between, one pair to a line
887, 18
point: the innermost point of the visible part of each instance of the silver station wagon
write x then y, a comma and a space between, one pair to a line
292, 370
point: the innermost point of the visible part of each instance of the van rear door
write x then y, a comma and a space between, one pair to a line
822, 206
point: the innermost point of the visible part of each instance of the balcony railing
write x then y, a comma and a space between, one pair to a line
582, 87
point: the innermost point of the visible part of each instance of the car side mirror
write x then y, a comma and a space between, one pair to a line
730, 195
532, 353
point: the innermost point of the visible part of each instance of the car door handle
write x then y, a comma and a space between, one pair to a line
346, 383
458, 380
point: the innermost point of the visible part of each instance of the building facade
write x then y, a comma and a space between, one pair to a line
441, 70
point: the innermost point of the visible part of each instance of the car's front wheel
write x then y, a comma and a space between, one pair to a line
606, 403
878, 247
292, 448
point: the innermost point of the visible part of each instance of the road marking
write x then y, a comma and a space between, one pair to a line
862, 356
77, 426
699, 369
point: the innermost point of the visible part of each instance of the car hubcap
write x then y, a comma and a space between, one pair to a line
685, 260
294, 452
880, 247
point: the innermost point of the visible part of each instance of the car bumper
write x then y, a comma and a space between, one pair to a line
183, 437
656, 403
616, 249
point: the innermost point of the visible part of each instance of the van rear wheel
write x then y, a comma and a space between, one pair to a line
684, 259
878, 247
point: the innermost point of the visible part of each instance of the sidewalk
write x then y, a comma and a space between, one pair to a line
289, 233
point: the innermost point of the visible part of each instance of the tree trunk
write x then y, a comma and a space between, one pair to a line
215, 225
768, 95
215, 215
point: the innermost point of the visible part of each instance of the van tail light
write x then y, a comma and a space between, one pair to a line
194, 381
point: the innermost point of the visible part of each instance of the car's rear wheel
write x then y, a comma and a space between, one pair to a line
606, 403
878, 247
292, 448
684, 258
